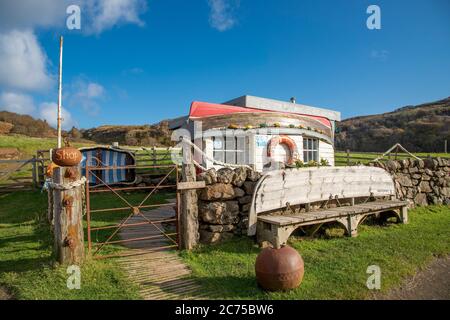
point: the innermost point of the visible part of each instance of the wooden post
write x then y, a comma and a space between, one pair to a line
154, 156
189, 235
68, 222
307, 207
34, 172
348, 157
404, 214
50, 208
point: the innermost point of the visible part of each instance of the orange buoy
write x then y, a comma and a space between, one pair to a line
67, 156
287, 141
49, 170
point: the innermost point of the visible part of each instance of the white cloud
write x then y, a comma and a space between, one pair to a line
16, 102
96, 15
222, 14
49, 111
86, 94
106, 14
22, 14
24, 104
23, 63
94, 90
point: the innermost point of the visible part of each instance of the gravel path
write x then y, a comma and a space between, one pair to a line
431, 283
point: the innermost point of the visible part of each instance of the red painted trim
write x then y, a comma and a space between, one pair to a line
204, 109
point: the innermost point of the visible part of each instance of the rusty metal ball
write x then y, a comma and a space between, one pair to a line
279, 269
66, 157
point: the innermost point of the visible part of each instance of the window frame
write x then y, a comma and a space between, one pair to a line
310, 149
231, 148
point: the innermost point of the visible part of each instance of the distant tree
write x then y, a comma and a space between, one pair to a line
75, 134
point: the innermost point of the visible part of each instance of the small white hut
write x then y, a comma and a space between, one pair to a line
260, 132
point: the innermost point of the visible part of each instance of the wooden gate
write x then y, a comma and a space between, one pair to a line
19, 175
125, 220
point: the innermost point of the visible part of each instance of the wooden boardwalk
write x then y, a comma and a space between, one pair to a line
159, 274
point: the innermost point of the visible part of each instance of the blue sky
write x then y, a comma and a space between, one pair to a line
150, 60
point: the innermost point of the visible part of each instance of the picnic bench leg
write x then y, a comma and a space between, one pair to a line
281, 235
274, 234
262, 234
404, 214
350, 224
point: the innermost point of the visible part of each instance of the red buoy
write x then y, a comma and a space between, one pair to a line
279, 269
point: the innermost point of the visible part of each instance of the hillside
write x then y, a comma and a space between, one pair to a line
145, 135
421, 128
13, 123
148, 135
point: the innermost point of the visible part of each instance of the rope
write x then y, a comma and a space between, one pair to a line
83, 199
66, 186
220, 163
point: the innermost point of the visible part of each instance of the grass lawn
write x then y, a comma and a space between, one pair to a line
26, 267
334, 268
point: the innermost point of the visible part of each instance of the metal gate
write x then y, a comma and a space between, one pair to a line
150, 228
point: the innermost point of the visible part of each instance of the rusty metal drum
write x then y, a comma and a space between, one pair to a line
66, 156
279, 269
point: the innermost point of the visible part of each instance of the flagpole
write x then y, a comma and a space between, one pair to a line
60, 91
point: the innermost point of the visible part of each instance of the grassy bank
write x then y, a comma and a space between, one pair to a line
29, 145
26, 267
334, 268
340, 158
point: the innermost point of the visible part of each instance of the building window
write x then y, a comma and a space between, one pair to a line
229, 149
218, 147
310, 149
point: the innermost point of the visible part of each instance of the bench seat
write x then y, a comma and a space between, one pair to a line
277, 228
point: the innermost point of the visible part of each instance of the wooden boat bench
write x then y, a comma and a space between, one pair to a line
349, 188
276, 229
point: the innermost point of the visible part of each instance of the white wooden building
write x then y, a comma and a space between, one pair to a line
260, 132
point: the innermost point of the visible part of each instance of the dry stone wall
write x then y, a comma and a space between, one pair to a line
422, 182
225, 202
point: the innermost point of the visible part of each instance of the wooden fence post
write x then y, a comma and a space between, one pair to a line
348, 157
189, 235
50, 209
154, 156
68, 212
34, 172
